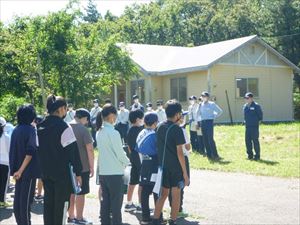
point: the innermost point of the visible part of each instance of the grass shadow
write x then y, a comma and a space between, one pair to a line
267, 162
220, 162
6, 213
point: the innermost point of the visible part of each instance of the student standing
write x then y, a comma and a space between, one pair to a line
94, 112
70, 113
186, 152
136, 104
23, 163
57, 152
192, 112
136, 120
112, 162
170, 141
86, 152
208, 111
4, 163
147, 146
160, 111
122, 121
253, 115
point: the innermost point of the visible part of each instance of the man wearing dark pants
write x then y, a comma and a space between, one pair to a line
57, 151
207, 112
252, 114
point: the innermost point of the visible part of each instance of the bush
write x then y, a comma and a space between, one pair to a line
9, 105
297, 105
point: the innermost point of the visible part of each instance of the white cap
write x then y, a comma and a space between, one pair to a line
2, 122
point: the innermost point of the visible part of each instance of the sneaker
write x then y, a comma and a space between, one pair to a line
130, 208
6, 204
71, 220
138, 209
182, 215
39, 198
82, 221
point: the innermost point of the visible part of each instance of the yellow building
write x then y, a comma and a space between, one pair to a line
234, 66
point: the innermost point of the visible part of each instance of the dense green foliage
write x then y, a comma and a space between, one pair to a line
74, 53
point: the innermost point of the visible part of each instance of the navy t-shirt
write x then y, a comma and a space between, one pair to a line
24, 142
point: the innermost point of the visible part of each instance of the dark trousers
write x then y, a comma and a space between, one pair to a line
24, 192
3, 181
187, 164
252, 139
207, 128
123, 129
112, 199
197, 142
93, 132
56, 201
146, 192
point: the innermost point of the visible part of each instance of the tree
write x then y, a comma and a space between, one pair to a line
92, 14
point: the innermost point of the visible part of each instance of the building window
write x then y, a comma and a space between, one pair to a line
244, 85
178, 88
138, 88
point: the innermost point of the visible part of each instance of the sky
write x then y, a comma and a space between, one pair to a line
11, 8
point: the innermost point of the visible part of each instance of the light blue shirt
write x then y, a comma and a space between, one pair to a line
123, 116
112, 158
208, 111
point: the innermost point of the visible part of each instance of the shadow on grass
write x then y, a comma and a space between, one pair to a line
220, 162
267, 162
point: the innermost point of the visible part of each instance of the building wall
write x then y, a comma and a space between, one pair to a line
274, 85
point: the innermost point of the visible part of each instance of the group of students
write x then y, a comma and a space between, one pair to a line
61, 154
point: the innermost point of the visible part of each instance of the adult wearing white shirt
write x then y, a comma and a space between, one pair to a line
207, 112
122, 121
160, 111
70, 113
4, 163
94, 112
136, 104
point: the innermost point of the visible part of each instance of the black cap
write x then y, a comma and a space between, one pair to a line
121, 104
135, 97
150, 119
193, 97
248, 95
205, 94
55, 102
80, 113
96, 101
149, 104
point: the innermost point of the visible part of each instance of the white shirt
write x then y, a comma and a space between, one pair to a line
4, 149
193, 109
187, 141
161, 113
95, 111
69, 116
123, 116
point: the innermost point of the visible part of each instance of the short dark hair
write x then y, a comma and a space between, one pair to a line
54, 103
26, 114
80, 113
172, 107
108, 109
150, 119
136, 114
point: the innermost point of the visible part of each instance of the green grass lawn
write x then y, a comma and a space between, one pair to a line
280, 151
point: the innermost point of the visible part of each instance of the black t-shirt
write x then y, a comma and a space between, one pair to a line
175, 137
132, 135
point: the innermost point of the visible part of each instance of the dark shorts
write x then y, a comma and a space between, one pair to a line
171, 178
135, 168
85, 187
